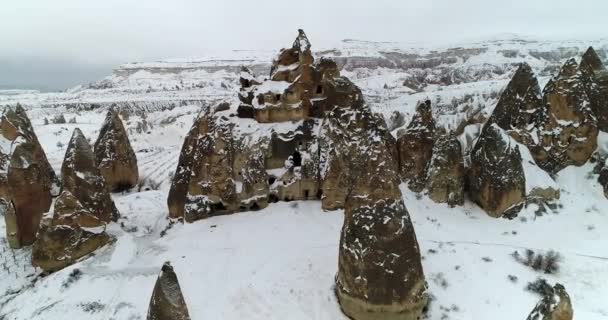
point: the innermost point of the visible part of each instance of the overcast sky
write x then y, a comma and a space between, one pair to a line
59, 43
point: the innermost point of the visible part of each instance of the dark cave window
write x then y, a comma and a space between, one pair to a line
255, 206
297, 159
319, 89
306, 194
271, 180
217, 206
278, 96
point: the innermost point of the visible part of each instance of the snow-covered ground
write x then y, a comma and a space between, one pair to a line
280, 262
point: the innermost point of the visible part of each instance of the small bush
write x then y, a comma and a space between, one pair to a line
147, 184
547, 263
540, 286
74, 276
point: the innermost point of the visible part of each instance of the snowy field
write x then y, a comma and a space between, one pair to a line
280, 262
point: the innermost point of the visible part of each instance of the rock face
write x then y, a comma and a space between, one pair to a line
446, 174
596, 78
167, 302
415, 146
73, 232
114, 156
496, 178
570, 131
298, 87
379, 270
554, 305
242, 155
82, 178
27, 180
519, 109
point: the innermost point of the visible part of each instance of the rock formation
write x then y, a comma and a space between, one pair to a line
519, 109
554, 305
379, 270
167, 302
114, 156
415, 146
596, 77
27, 180
73, 232
496, 178
570, 131
267, 146
446, 173
82, 178
297, 89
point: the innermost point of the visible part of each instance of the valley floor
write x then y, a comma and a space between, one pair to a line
280, 262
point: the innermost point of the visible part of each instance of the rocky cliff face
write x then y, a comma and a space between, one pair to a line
415, 147
445, 179
72, 232
82, 178
114, 156
27, 180
569, 135
496, 178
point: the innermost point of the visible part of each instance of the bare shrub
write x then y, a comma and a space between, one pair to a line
547, 263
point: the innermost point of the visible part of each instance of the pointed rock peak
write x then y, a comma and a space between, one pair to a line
78, 143
167, 302
569, 69
423, 116
19, 108
590, 61
301, 43
524, 72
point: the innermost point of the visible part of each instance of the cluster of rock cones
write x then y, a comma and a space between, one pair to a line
75, 226
303, 133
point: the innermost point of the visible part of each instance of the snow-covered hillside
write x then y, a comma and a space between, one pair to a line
280, 262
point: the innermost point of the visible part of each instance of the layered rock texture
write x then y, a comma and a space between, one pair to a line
27, 180
496, 178
554, 305
306, 133
570, 130
379, 270
114, 156
297, 89
167, 302
82, 178
72, 232
415, 147
445, 179
270, 149
596, 77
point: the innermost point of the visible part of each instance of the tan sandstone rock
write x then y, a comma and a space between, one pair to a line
72, 233
445, 180
82, 178
114, 156
167, 301
379, 270
496, 178
570, 130
555, 305
27, 180
415, 146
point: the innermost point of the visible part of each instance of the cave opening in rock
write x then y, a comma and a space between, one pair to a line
271, 180
319, 89
278, 96
273, 198
296, 157
305, 194
217, 206
255, 206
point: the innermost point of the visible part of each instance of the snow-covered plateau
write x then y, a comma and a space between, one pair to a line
280, 262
